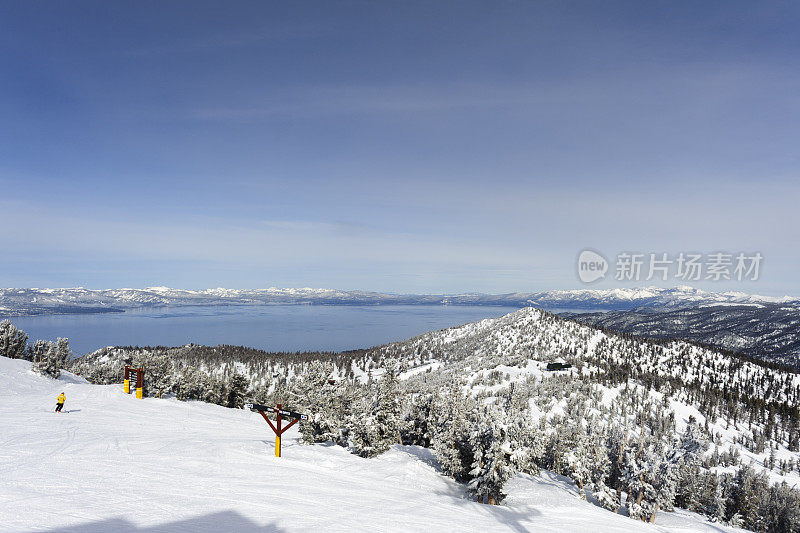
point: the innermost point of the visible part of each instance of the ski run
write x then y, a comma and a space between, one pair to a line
111, 462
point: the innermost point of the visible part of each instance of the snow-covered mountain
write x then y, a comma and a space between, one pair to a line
648, 298
15, 302
766, 331
111, 462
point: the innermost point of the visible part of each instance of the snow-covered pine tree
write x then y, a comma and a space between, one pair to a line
527, 442
638, 460
692, 443
13, 341
686, 455
379, 427
337, 409
580, 460
714, 504
781, 511
161, 378
664, 482
747, 492
307, 391
215, 390
38, 354
376, 425
736, 521
328, 403
236, 389
364, 437
38, 349
590, 465
387, 414
418, 419
45, 359
451, 433
651, 478
63, 352
491, 467
615, 443
560, 444
195, 384
606, 496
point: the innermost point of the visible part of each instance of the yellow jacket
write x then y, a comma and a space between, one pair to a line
61, 398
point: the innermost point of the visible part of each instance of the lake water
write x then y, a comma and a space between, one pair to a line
269, 327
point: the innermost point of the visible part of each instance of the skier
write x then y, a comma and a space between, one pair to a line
60, 402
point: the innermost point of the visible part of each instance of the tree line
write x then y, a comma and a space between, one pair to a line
48, 357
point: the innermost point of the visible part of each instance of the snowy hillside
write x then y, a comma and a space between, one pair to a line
535, 334
113, 463
766, 331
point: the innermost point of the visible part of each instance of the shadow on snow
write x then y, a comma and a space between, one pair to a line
221, 521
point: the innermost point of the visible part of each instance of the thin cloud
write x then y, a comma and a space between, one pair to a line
241, 39
698, 87
310, 102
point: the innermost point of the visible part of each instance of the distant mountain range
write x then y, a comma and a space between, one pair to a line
17, 302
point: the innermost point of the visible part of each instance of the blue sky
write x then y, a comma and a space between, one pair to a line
394, 146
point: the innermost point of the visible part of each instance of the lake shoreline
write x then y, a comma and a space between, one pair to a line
273, 327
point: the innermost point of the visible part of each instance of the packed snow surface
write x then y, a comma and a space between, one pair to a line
111, 462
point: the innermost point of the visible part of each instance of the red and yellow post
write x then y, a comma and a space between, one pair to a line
278, 435
126, 384
279, 429
140, 383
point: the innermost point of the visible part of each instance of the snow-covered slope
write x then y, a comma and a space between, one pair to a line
767, 331
115, 463
534, 334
